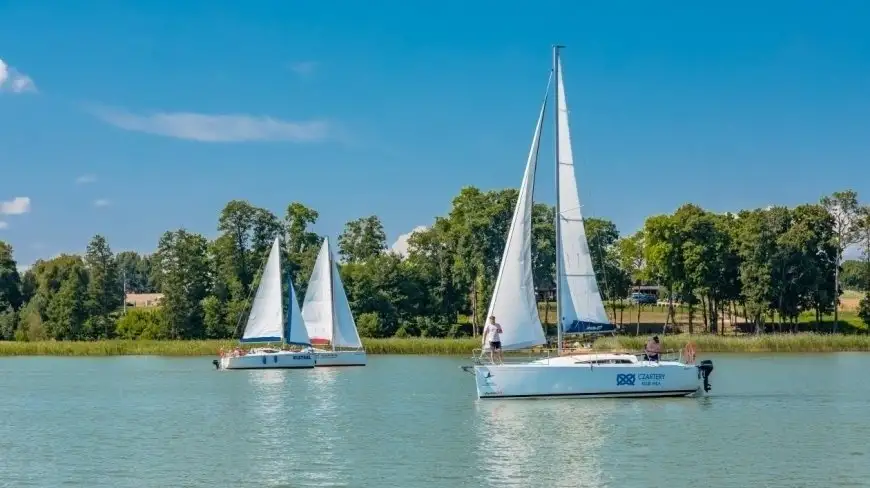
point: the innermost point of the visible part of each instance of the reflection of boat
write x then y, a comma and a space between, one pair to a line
578, 302
266, 325
328, 317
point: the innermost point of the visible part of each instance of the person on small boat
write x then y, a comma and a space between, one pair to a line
491, 334
653, 349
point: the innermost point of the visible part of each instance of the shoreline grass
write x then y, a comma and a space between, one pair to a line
769, 343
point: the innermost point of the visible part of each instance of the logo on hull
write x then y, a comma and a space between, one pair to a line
627, 379
301, 357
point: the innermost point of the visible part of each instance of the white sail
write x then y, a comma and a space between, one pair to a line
580, 305
513, 299
265, 322
345, 333
317, 307
296, 331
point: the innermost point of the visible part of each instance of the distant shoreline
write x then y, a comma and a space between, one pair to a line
768, 343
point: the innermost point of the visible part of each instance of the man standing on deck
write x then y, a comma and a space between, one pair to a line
491, 335
653, 349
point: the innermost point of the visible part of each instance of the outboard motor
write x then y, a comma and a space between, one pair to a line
217, 365
705, 369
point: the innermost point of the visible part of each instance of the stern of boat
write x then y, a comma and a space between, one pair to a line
705, 369
323, 358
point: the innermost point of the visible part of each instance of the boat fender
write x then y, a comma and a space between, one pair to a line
217, 365
705, 369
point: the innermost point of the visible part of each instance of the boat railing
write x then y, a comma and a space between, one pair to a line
482, 357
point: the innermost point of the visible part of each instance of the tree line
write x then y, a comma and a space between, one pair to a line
769, 266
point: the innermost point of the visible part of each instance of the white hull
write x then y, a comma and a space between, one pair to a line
323, 358
269, 360
581, 377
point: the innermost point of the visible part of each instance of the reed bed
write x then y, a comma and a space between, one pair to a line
806, 342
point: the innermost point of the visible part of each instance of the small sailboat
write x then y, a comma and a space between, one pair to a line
267, 325
578, 304
328, 317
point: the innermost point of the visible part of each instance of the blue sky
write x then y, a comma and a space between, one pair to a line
131, 118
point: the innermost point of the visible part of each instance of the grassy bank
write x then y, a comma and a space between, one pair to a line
418, 346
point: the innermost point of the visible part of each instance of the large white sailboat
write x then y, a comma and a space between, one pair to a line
266, 325
328, 317
579, 305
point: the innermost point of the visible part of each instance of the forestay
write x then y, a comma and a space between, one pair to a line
513, 300
580, 305
265, 322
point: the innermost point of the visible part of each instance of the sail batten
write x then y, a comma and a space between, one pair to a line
581, 308
514, 303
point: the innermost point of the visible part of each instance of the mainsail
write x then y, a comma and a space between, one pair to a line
513, 299
265, 322
580, 306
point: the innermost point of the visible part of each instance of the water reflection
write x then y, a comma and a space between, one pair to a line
269, 404
563, 438
326, 468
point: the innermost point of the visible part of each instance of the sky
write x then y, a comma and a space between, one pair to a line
131, 118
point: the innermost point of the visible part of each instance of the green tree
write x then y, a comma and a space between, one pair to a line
214, 318
10, 292
134, 272
8, 322
301, 245
67, 311
855, 275
362, 239
843, 207
182, 261
430, 257
10, 280
664, 260
104, 294
864, 309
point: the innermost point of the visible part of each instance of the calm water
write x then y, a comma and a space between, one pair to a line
771, 421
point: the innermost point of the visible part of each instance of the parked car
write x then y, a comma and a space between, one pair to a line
642, 298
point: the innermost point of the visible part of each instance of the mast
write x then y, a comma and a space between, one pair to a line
331, 297
557, 80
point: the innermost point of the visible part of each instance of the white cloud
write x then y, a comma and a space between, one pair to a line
215, 128
14, 81
16, 206
3, 225
85, 179
401, 244
304, 68
102, 202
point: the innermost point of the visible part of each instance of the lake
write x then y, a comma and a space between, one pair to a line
402, 421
